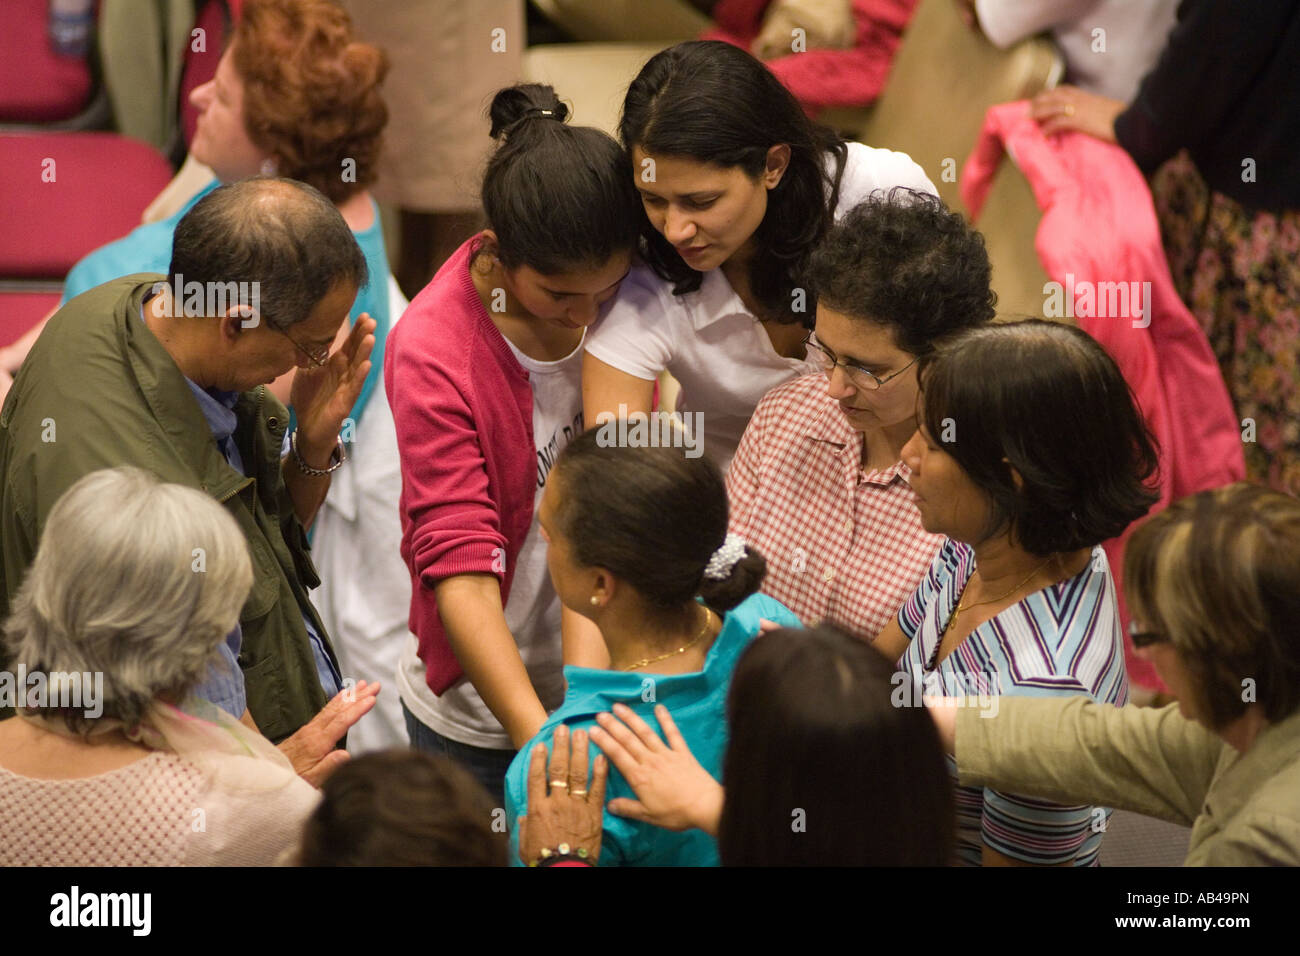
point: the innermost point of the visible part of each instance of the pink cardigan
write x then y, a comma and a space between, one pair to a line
1099, 226
463, 408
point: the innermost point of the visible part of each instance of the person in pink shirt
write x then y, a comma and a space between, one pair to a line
484, 378
818, 483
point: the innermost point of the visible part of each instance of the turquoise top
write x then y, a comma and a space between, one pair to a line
698, 703
148, 248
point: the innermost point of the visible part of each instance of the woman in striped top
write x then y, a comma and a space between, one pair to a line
1029, 453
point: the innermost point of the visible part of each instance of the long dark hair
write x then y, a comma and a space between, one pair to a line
822, 769
714, 103
558, 197
653, 517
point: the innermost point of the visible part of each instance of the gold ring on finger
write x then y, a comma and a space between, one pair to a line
559, 783
577, 793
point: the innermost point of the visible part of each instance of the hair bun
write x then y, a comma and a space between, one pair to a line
515, 104
742, 578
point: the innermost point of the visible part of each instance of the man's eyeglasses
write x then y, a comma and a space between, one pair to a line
318, 358
861, 377
1142, 638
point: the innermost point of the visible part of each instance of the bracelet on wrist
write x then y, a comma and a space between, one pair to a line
337, 457
560, 854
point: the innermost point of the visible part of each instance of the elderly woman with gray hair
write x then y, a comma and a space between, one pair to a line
134, 585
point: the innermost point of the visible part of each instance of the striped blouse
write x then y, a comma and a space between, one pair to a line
1061, 641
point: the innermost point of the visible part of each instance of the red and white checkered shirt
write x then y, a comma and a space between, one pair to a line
844, 546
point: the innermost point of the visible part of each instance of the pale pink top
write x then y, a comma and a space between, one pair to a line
161, 810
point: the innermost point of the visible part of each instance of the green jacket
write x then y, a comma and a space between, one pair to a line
98, 391
1242, 808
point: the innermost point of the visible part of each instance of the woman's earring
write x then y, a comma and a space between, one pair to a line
268, 167
595, 600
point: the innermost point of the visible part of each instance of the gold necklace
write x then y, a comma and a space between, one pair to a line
708, 617
966, 607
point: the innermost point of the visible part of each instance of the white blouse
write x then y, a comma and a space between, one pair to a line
708, 340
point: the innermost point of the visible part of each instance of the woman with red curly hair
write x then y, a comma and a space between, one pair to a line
296, 95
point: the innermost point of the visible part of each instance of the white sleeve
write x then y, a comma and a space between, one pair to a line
1007, 22
868, 169
636, 334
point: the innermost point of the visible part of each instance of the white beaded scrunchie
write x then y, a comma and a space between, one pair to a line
725, 558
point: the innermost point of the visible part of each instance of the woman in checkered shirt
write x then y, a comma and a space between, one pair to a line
818, 483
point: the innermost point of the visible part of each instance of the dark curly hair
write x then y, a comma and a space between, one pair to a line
311, 92
714, 103
903, 260
653, 517
558, 197
1045, 400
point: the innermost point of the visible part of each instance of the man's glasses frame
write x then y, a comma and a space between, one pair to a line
318, 359
854, 371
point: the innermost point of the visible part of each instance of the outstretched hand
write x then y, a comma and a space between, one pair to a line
312, 749
323, 397
673, 791
572, 812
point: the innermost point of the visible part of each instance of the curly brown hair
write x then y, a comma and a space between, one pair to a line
311, 93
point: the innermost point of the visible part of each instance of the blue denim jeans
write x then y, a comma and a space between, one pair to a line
487, 765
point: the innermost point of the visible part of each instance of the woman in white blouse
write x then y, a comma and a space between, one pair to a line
738, 186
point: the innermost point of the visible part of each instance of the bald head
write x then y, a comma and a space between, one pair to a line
280, 234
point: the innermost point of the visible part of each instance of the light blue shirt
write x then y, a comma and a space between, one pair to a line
225, 684
698, 703
219, 409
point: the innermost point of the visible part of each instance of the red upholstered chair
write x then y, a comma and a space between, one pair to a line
64, 194
38, 85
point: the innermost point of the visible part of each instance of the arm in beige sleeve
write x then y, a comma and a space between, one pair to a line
1073, 750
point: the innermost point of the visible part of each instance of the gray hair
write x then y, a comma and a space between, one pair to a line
135, 579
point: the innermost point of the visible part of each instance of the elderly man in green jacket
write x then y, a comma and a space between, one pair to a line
169, 373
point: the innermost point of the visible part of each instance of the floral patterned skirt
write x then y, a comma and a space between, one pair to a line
1239, 273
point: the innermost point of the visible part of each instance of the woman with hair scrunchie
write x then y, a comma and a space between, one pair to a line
638, 545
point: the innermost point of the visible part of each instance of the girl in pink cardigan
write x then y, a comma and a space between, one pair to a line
484, 378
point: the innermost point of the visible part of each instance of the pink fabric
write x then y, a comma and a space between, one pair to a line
820, 79
1099, 225
161, 810
463, 409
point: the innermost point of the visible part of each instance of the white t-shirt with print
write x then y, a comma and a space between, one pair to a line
708, 340
533, 609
